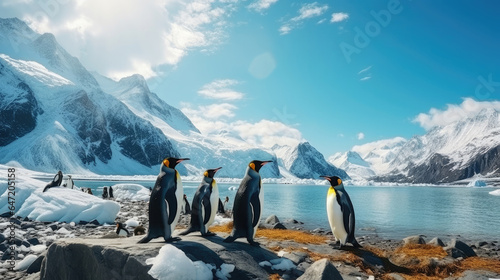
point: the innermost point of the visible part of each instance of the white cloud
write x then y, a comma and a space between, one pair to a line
468, 109
338, 17
307, 11
365, 69
361, 136
285, 29
114, 38
220, 89
365, 78
310, 10
261, 5
264, 133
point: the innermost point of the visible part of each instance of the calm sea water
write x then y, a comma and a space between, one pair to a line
390, 212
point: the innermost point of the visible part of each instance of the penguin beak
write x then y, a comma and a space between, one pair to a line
217, 169
326, 177
182, 159
265, 162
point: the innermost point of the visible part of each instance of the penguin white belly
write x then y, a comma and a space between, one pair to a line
214, 203
179, 194
336, 219
122, 233
261, 199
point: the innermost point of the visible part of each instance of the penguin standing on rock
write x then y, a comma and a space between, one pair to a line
340, 212
247, 207
165, 202
56, 182
205, 203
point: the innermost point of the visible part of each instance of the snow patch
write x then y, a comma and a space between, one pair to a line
26, 262
495, 192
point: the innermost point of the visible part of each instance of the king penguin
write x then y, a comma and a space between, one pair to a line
56, 182
340, 212
205, 203
165, 202
248, 204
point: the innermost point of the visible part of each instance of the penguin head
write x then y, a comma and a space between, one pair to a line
257, 164
171, 162
334, 180
210, 173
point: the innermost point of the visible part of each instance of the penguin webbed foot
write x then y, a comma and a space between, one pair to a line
254, 243
229, 239
172, 239
208, 233
145, 240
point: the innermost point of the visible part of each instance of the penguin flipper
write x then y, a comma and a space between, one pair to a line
171, 204
166, 217
208, 209
255, 205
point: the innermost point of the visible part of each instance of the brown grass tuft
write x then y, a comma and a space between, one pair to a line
226, 228
292, 235
275, 276
480, 264
421, 251
277, 234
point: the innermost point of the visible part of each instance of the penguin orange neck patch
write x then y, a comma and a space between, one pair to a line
166, 162
252, 165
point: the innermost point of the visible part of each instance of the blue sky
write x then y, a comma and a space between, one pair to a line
336, 73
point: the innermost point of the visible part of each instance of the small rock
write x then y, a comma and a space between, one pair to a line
3, 247
272, 220
94, 222
26, 243
481, 244
2, 238
27, 225
296, 257
457, 249
33, 241
321, 270
303, 266
395, 276
416, 239
279, 226
53, 227
479, 275
15, 221
436, 241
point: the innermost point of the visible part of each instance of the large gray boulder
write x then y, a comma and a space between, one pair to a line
123, 258
321, 270
457, 249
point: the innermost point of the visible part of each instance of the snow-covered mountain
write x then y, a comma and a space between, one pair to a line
56, 115
304, 161
452, 152
353, 164
445, 154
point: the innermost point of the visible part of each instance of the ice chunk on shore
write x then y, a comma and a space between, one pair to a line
495, 192
56, 204
134, 192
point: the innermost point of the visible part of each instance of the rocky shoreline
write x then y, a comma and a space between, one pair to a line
411, 258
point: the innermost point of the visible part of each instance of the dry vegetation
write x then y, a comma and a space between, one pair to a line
278, 234
413, 262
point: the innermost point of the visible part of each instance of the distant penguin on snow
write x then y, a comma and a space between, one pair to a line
56, 182
111, 192
165, 202
105, 192
186, 209
247, 206
69, 183
340, 212
121, 230
205, 203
